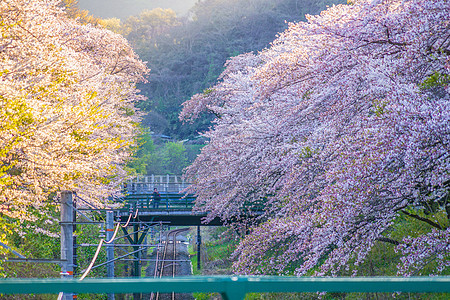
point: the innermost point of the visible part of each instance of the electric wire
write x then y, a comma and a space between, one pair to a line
106, 242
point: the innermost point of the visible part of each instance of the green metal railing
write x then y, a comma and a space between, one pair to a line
145, 202
231, 287
174, 201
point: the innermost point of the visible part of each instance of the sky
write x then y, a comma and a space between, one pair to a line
122, 9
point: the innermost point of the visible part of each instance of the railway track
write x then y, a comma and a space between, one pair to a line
167, 262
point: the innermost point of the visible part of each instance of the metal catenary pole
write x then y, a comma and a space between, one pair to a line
199, 244
110, 248
67, 238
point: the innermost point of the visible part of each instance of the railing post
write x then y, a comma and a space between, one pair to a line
168, 184
167, 202
67, 213
153, 181
233, 294
138, 189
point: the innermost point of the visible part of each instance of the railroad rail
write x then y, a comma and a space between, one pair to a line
167, 264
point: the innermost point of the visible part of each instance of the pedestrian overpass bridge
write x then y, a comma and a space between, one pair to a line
174, 207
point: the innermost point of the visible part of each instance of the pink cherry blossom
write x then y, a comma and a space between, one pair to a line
339, 127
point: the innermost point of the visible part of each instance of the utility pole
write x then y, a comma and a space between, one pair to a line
74, 229
67, 213
110, 248
137, 259
199, 243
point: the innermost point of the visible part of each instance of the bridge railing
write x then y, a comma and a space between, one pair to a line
164, 183
176, 201
231, 287
146, 202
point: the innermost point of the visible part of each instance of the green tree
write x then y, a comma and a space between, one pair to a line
141, 30
159, 158
73, 11
174, 157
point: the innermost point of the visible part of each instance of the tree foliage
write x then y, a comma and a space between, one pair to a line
187, 54
159, 158
72, 10
67, 115
342, 127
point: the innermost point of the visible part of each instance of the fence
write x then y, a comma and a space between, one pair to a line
164, 183
231, 287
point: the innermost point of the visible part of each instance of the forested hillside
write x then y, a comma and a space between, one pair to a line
187, 54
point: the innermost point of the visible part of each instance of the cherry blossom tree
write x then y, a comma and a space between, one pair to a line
340, 127
67, 115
